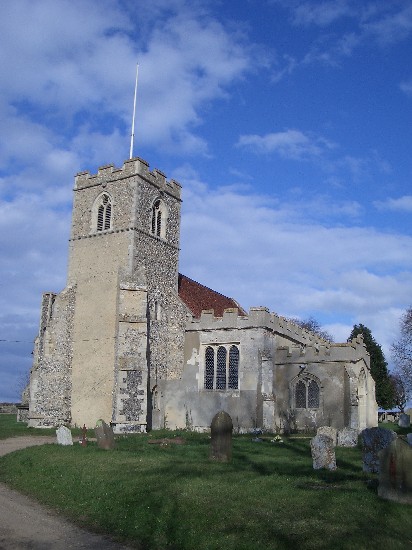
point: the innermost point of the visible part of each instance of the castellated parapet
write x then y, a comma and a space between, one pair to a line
131, 167
258, 317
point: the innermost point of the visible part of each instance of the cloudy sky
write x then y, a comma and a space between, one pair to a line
288, 123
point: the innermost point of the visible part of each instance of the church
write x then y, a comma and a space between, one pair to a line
132, 341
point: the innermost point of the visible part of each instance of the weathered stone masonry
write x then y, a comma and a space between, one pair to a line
127, 340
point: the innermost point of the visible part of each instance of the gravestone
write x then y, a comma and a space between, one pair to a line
404, 420
221, 437
409, 438
323, 452
64, 436
373, 441
395, 475
329, 432
348, 437
104, 435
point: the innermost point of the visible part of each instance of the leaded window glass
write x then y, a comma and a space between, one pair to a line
233, 367
313, 395
209, 368
221, 368
300, 395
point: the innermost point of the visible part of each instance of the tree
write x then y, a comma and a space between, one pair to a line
402, 352
399, 394
378, 366
314, 326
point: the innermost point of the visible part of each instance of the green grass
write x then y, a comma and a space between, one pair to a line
173, 497
9, 427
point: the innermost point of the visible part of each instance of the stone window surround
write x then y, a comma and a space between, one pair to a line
95, 212
215, 346
306, 378
158, 218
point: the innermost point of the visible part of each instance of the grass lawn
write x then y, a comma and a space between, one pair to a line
173, 497
9, 427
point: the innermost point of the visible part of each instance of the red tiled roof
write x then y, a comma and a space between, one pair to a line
198, 298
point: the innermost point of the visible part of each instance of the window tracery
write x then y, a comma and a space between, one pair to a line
103, 213
158, 222
221, 370
306, 392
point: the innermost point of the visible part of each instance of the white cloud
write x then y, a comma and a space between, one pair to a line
291, 144
406, 87
323, 13
402, 204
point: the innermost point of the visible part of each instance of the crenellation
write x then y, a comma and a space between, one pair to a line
131, 167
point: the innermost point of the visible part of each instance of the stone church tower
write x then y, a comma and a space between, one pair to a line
99, 341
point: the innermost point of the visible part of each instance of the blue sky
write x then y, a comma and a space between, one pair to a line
288, 124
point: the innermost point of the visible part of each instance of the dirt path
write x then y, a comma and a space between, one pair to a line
26, 524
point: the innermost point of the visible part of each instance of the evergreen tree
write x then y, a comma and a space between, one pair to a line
379, 367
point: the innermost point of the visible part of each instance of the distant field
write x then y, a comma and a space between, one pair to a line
173, 497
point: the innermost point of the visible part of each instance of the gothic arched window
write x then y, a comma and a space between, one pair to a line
306, 392
103, 213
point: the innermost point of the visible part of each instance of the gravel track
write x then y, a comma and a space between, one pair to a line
26, 524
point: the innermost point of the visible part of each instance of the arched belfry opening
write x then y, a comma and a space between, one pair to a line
158, 219
102, 213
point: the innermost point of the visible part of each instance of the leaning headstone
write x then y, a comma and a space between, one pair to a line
329, 432
404, 420
373, 441
323, 452
395, 475
348, 437
64, 436
221, 437
409, 438
104, 435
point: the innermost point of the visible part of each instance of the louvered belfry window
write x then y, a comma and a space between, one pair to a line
104, 213
157, 219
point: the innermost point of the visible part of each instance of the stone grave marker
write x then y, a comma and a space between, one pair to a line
348, 437
404, 420
409, 438
373, 441
395, 475
323, 452
104, 435
329, 432
64, 436
221, 437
